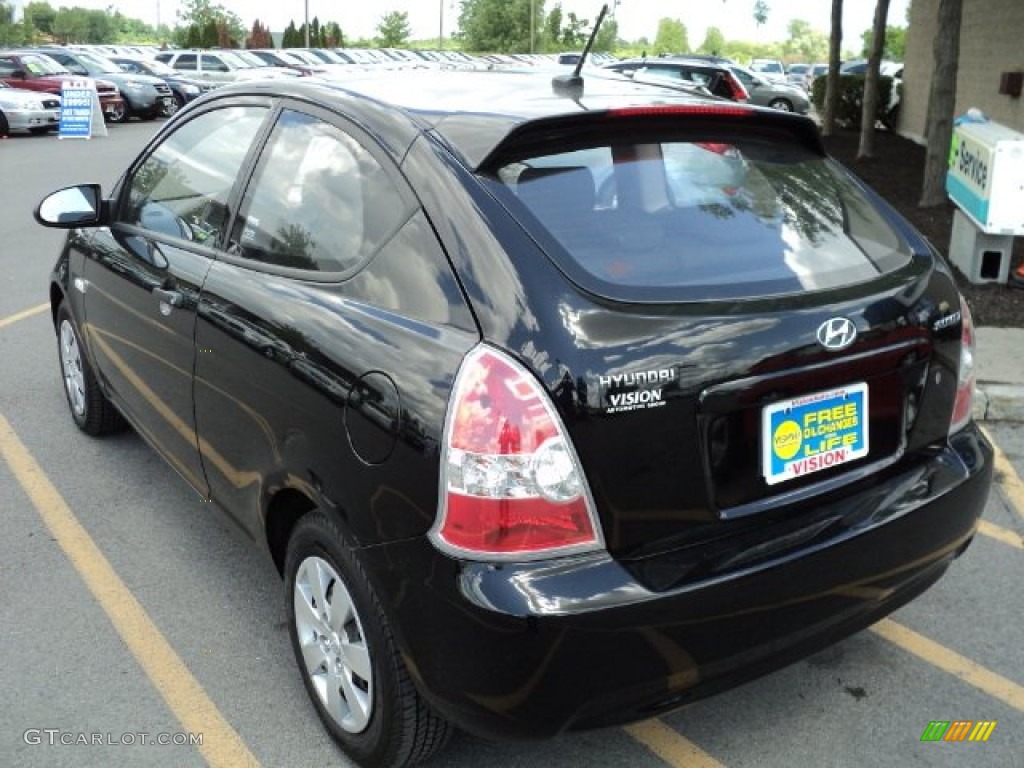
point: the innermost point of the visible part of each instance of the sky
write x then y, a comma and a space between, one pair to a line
637, 18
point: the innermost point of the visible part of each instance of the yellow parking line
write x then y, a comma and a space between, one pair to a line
670, 746
1009, 481
999, 533
23, 315
186, 698
949, 661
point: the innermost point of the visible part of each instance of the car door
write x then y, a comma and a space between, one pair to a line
326, 326
143, 275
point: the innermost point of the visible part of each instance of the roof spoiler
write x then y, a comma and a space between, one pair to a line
572, 85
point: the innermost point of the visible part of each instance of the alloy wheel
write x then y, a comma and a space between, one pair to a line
334, 649
71, 367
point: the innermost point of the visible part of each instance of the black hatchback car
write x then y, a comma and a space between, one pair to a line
554, 409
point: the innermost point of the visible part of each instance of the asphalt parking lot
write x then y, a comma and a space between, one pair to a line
129, 610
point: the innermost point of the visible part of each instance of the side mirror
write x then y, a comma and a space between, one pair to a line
18, 74
80, 206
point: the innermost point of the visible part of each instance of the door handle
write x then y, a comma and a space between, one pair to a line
171, 298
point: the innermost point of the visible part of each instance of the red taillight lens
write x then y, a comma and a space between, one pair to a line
739, 93
512, 486
965, 377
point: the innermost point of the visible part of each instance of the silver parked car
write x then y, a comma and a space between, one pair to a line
24, 110
771, 93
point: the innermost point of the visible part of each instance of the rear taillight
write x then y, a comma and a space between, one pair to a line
511, 483
739, 93
965, 377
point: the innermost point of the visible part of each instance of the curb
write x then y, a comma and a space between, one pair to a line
998, 402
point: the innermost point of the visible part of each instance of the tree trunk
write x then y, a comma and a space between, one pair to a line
870, 107
941, 103
835, 44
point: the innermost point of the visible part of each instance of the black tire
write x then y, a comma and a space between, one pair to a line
90, 409
397, 728
784, 105
5, 127
119, 115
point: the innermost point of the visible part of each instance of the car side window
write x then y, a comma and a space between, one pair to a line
672, 72
7, 67
182, 187
318, 200
214, 64
186, 61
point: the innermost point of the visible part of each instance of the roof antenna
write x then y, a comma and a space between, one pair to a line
572, 85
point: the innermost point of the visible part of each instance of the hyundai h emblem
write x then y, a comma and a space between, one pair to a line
837, 333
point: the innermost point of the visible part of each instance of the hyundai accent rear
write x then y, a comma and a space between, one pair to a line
555, 404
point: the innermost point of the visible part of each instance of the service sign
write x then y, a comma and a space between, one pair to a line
814, 432
970, 171
79, 102
986, 176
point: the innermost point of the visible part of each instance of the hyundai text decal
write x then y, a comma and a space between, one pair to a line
621, 392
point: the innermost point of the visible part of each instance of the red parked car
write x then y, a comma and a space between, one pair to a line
36, 72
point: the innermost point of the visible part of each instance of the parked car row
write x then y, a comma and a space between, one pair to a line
721, 78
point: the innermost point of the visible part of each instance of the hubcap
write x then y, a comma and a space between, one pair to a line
71, 365
334, 649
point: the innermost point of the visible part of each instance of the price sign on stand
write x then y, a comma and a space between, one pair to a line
81, 116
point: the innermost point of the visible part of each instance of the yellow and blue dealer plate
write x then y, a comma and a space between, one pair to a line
814, 432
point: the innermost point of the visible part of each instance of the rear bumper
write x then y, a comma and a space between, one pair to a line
529, 650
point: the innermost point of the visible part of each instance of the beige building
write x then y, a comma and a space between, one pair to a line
991, 43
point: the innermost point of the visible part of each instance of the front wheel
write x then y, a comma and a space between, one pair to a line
118, 114
783, 104
92, 412
346, 654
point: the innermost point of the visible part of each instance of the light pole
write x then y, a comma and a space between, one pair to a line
533, 16
440, 25
307, 24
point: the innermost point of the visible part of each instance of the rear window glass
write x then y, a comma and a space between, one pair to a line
722, 219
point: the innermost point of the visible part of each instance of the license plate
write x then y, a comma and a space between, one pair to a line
814, 432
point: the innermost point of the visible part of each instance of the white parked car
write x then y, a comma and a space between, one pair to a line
24, 110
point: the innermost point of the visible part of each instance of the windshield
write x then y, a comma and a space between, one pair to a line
42, 65
96, 63
721, 215
288, 58
157, 68
251, 59
232, 58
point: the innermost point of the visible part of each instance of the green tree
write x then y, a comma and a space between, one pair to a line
288, 40
895, 43
333, 38
714, 42
671, 37
805, 43
574, 33
552, 34
499, 25
9, 32
761, 12
42, 14
393, 30
607, 39
201, 13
